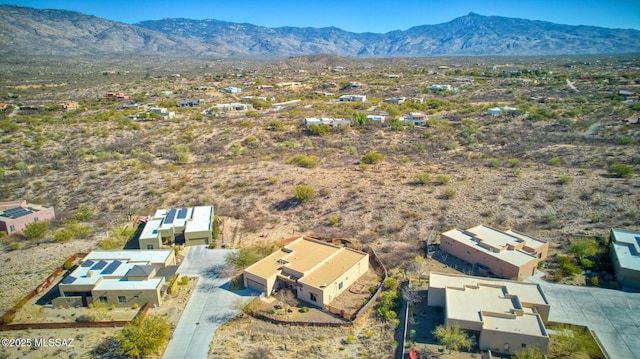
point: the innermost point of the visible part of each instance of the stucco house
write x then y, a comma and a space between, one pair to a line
316, 270
119, 278
15, 215
505, 316
506, 254
188, 225
625, 256
333, 122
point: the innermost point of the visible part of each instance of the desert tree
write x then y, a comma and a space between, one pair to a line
452, 337
143, 336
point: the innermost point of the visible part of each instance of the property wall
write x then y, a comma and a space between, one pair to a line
495, 341
67, 302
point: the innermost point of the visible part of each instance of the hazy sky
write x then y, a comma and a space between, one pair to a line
354, 15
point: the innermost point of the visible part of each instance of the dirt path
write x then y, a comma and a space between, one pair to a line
572, 86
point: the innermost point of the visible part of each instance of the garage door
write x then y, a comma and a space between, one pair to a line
197, 241
255, 286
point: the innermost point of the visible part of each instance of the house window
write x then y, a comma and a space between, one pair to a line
122, 299
539, 255
12, 228
313, 297
36, 219
340, 285
524, 345
102, 299
149, 246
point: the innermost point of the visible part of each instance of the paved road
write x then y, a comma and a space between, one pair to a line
211, 304
613, 315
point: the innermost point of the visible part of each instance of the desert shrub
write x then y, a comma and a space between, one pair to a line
595, 281
586, 263
143, 336
85, 214
584, 247
184, 280
441, 180
513, 163
567, 267
565, 121
452, 145
621, 170
68, 264
333, 219
318, 130
350, 339
627, 141
449, 193
303, 192
554, 161
549, 219
564, 179
372, 158
303, 161
62, 235
423, 178
273, 180
8, 319
494, 162
213, 245
35, 230
276, 125
180, 153
14, 246
304, 310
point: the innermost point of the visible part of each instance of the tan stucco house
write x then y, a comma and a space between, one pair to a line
120, 278
188, 225
506, 316
506, 254
316, 270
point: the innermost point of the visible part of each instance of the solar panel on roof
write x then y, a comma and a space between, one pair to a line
99, 265
170, 216
69, 280
16, 212
182, 214
111, 267
88, 263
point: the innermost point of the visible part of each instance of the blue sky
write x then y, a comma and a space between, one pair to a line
355, 15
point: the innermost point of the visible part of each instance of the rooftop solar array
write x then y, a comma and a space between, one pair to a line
111, 267
69, 280
182, 214
99, 265
17, 212
88, 263
170, 216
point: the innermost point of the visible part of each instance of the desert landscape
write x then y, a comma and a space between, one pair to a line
548, 168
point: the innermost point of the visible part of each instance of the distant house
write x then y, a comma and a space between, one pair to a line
117, 95
15, 215
118, 278
506, 316
317, 271
191, 103
232, 89
395, 100
188, 225
163, 112
352, 98
436, 87
507, 254
625, 256
234, 106
289, 84
494, 111
333, 122
70, 106
376, 118
416, 118
264, 87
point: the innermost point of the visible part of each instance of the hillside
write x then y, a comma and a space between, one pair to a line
58, 32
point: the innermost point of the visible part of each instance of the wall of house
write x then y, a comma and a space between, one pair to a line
155, 242
19, 223
495, 341
497, 266
436, 297
475, 326
197, 237
347, 279
137, 296
305, 293
258, 283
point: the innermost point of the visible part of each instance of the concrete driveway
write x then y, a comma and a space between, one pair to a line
612, 314
211, 303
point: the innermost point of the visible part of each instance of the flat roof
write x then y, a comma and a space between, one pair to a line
479, 237
151, 256
467, 302
200, 219
150, 230
528, 323
626, 246
123, 284
526, 292
319, 262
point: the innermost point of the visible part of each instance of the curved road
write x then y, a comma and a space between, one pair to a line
211, 303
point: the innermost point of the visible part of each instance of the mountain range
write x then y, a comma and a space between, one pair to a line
27, 31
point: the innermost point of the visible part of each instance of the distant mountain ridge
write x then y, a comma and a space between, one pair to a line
58, 32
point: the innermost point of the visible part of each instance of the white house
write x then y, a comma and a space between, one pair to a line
166, 114
333, 122
376, 118
416, 118
352, 98
494, 111
232, 89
